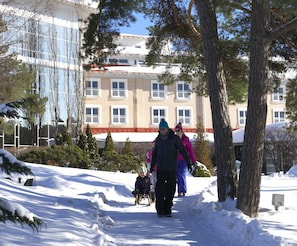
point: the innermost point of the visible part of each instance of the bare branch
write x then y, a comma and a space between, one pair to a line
193, 28
289, 42
280, 31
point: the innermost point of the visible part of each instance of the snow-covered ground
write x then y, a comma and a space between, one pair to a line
86, 207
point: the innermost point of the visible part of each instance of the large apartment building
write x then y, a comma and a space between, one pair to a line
125, 97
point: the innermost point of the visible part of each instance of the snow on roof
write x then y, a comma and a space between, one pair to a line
132, 136
142, 136
144, 69
238, 135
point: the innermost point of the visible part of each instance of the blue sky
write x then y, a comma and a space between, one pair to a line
139, 27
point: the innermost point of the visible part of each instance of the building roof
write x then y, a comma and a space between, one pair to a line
238, 135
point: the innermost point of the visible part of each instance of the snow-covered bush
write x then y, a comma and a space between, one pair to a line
201, 170
13, 211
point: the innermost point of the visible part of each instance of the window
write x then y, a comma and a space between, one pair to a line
113, 61
123, 61
184, 116
242, 116
158, 114
119, 115
92, 114
118, 88
278, 94
183, 90
92, 88
278, 115
158, 90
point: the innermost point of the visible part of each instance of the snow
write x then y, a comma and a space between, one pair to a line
89, 207
238, 135
143, 136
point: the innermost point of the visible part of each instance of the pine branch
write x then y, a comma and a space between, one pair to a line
6, 215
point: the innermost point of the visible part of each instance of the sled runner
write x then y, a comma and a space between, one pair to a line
143, 197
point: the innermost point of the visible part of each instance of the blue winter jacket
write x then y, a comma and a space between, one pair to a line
165, 152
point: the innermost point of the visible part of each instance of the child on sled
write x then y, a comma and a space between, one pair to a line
142, 186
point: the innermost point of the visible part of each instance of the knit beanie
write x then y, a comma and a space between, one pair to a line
163, 124
179, 127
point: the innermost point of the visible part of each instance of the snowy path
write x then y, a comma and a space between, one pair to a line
148, 229
143, 227
95, 208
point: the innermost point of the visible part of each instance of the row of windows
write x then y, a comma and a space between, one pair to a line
119, 115
278, 116
119, 89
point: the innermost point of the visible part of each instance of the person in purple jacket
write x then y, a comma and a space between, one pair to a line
182, 165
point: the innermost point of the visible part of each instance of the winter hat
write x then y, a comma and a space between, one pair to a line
163, 124
179, 127
142, 169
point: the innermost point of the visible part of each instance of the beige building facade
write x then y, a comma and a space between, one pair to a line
121, 101
127, 97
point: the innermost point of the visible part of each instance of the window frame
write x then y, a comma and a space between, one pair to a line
156, 94
119, 91
241, 118
91, 89
279, 111
156, 119
184, 94
278, 96
92, 107
119, 107
182, 119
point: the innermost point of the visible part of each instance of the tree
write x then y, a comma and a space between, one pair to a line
109, 150
128, 148
109, 144
263, 33
92, 144
224, 151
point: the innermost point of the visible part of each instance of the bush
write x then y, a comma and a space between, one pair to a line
71, 156
112, 161
201, 170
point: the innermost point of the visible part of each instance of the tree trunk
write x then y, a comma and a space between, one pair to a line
253, 147
224, 151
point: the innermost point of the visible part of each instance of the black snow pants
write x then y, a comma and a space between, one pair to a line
165, 190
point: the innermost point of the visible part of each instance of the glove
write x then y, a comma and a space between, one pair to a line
190, 168
152, 169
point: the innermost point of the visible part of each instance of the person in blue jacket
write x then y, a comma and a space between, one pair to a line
167, 146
